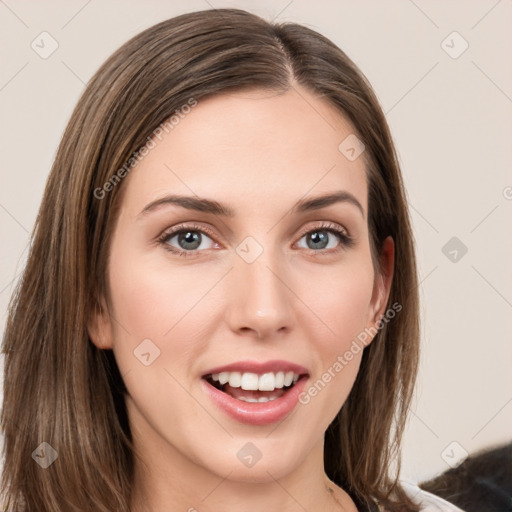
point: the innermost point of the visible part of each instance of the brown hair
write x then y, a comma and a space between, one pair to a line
60, 388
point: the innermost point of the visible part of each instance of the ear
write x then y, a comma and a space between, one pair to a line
99, 325
382, 283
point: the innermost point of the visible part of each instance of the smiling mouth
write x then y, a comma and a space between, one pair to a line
253, 387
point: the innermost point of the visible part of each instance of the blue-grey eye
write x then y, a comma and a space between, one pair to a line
188, 240
320, 239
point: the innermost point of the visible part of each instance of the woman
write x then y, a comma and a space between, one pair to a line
220, 306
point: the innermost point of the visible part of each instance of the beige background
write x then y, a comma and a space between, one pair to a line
451, 119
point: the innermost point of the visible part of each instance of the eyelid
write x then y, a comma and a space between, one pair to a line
325, 225
187, 226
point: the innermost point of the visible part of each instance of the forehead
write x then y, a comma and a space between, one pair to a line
251, 149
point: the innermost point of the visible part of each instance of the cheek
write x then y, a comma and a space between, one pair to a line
152, 297
153, 302
341, 299
165, 303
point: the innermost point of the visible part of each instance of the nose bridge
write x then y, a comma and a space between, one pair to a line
261, 301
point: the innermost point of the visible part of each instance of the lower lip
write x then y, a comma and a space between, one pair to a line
256, 413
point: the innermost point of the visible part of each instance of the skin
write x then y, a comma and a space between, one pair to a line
257, 152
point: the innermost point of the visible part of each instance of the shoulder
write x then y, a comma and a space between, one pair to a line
429, 502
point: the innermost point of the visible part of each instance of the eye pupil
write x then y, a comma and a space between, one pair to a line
190, 237
319, 239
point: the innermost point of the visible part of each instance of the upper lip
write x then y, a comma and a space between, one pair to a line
259, 367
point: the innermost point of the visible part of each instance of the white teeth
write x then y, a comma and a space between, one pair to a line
249, 381
254, 400
235, 379
267, 382
288, 378
223, 377
253, 382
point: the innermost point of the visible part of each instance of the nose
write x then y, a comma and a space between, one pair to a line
260, 301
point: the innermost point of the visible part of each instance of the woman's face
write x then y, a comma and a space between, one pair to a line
267, 294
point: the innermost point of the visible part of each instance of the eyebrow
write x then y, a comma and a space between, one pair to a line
204, 205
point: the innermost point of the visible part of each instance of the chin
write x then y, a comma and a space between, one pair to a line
258, 461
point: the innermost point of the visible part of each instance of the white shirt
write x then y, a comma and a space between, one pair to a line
429, 502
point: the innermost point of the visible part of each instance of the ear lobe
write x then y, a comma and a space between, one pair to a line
99, 326
382, 285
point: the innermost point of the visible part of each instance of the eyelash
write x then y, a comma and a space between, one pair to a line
346, 240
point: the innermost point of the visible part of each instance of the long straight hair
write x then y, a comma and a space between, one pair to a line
60, 389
